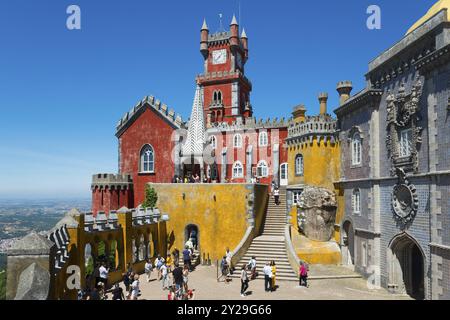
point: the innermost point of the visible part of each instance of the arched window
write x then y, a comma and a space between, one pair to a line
213, 142
356, 149
219, 97
215, 97
263, 139
262, 169
237, 141
238, 170
147, 159
299, 165
356, 201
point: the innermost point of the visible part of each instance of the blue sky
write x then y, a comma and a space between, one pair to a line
62, 92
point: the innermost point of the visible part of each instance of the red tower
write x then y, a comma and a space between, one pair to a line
226, 90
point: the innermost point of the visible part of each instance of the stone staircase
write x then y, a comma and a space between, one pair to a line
270, 245
195, 259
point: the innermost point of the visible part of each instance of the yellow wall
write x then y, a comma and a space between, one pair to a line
321, 169
321, 163
219, 211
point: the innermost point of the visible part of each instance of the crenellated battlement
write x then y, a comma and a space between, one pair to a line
149, 102
222, 75
112, 181
251, 123
320, 125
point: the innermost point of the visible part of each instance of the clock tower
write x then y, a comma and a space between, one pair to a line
226, 90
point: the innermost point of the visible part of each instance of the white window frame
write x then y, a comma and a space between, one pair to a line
299, 167
213, 142
237, 143
405, 143
149, 162
296, 196
238, 170
262, 165
263, 139
356, 201
356, 150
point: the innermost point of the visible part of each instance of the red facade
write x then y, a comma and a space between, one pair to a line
148, 129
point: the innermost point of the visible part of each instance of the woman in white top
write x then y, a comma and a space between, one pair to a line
135, 288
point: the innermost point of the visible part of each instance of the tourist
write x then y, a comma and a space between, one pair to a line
171, 295
244, 280
129, 268
165, 276
135, 288
229, 255
303, 273
274, 272
197, 178
272, 187
178, 276
187, 257
169, 262
148, 268
193, 237
276, 196
176, 255
224, 268
103, 274
126, 281
267, 277
94, 295
117, 293
252, 267
158, 263
185, 277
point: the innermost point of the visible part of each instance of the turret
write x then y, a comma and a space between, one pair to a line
204, 40
244, 41
234, 30
344, 88
323, 98
299, 113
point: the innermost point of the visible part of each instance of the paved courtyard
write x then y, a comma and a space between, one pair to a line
203, 280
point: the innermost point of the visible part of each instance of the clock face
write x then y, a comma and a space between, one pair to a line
219, 56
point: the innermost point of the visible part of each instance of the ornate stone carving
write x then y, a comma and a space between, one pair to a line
405, 202
403, 112
317, 213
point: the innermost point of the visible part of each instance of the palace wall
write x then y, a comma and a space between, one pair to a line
222, 212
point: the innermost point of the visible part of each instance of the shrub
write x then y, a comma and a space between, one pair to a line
151, 197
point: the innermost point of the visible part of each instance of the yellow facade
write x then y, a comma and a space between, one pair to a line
321, 168
220, 211
321, 162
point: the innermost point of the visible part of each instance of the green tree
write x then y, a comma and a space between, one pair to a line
151, 197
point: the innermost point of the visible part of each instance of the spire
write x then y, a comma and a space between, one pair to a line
196, 131
205, 26
234, 21
243, 35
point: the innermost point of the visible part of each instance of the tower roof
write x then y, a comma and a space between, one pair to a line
196, 132
244, 35
234, 21
204, 26
438, 6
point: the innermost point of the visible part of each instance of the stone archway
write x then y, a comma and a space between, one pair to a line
348, 244
406, 262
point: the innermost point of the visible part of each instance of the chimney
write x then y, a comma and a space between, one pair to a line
344, 88
299, 113
204, 40
323, 98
